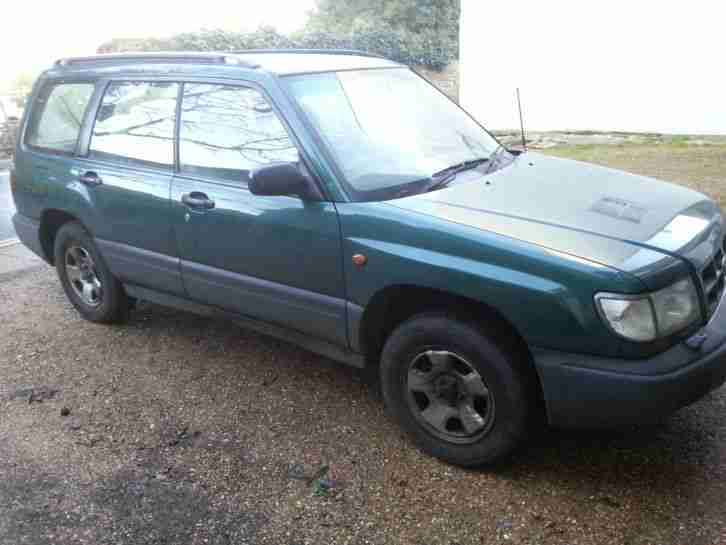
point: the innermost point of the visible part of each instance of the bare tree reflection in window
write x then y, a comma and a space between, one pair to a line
227, 131
136, 121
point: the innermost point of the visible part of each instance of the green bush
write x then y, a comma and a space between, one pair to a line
398, 45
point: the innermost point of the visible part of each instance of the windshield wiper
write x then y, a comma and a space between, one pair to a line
492, 157
443, 177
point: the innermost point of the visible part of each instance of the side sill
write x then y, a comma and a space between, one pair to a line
305, 341
131, 264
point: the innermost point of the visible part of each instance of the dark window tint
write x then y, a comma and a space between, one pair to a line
227, 131
58, 115
136, 122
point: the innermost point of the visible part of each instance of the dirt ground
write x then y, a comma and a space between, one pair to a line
176, 429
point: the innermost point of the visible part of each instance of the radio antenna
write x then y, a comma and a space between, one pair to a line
521, 121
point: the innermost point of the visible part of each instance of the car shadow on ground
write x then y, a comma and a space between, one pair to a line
691, 437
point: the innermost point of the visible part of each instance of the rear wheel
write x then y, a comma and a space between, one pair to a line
461, 395
89, 285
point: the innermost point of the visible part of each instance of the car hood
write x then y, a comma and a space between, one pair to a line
617, 219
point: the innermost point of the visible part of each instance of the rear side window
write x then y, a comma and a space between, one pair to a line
226, 131
57, 116
135, 123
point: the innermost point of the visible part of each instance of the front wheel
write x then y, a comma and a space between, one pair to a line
89, 285
458, 392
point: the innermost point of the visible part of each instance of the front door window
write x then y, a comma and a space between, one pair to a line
227, 131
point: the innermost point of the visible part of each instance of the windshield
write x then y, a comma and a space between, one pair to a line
388, 130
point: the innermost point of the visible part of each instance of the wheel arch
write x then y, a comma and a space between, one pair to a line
392, 305
51, 220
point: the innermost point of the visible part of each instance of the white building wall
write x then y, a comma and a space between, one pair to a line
627, 65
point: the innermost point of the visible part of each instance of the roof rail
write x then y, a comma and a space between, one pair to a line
160, 57
303, 51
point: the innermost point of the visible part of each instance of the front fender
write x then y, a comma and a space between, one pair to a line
546, 295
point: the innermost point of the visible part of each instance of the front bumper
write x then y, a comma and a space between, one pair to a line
589, 392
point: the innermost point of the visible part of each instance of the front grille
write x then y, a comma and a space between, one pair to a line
712, 280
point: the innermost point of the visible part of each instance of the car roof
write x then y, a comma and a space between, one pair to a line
279, 62
285, 63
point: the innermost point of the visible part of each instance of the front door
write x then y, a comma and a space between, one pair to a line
275, 259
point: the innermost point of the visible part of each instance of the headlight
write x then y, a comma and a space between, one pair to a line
650, 316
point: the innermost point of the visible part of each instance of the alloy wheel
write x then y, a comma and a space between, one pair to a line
449, 397
82, 275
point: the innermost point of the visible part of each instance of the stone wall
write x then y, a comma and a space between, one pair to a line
447, 80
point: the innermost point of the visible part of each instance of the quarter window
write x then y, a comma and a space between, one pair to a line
227, 131
58, 115
135, 122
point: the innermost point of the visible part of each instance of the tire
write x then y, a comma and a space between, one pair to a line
459, 394
89, 285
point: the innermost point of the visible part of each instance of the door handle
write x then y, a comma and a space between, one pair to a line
197, 200
90, 178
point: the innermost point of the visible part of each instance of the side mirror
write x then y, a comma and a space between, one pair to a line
277, 179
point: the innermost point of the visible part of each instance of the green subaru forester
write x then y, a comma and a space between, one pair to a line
339, 201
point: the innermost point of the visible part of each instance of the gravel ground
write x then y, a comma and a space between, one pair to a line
176, 429
182, 429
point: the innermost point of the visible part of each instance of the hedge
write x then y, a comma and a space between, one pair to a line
400, 46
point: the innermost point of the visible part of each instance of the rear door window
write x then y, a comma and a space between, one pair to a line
57, 116
135, 123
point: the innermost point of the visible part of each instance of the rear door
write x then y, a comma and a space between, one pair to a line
126, 173
276, 259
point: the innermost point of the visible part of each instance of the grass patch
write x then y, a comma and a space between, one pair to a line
679, 141
699, 167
